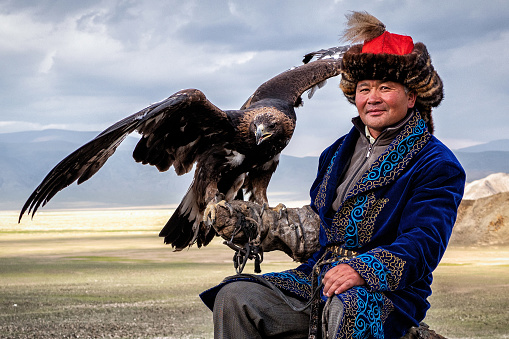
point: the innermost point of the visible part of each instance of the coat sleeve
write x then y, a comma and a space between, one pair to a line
423, 232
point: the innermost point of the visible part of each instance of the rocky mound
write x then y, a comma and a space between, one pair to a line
492, 184
483, 221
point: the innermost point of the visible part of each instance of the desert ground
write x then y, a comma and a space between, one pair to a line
107, 274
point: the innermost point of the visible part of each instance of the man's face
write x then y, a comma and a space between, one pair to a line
382, 104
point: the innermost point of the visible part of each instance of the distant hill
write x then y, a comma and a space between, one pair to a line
481, 164
26, 157
501, 145
482, 160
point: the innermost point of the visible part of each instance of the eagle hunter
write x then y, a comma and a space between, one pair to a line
235, 151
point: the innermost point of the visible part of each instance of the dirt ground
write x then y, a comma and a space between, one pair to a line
106, 274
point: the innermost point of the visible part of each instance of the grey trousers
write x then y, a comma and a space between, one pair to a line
245, 309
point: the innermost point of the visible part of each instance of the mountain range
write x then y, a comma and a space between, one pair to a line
26, 157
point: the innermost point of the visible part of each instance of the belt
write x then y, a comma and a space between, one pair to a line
340, 252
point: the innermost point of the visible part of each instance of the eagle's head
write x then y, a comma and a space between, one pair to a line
264, 126
272, 127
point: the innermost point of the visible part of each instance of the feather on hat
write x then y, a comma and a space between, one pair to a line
362, 26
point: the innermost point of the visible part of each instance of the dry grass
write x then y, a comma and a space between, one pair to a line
106, 274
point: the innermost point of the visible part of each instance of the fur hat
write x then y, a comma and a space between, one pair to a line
391, 57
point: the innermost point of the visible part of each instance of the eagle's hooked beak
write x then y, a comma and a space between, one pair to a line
261, 134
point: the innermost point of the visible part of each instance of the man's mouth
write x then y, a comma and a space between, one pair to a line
375, 111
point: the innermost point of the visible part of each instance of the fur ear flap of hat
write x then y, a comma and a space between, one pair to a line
390, 57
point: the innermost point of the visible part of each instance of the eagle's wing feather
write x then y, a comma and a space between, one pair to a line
187, 107
175, 135
335, 53
79, 165
289, 86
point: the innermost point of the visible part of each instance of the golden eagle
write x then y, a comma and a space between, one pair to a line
235, 151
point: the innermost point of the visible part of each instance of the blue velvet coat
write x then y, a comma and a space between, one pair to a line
398, 217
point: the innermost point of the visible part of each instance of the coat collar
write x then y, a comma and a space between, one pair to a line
387, 168
391, 163
388, 134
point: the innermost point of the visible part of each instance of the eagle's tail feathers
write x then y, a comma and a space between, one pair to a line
179, 231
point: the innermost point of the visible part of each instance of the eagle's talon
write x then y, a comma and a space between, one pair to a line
265, 206
209, 215
280, 209
225, 204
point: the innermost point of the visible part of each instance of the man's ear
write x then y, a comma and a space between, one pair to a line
412, 96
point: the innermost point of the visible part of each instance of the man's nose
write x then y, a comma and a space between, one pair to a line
374, 96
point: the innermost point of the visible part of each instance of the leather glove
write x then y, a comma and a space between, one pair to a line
291, 230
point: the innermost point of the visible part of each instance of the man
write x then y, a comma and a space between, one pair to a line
386, 195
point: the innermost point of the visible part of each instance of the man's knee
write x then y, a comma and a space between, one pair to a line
240, 297
237, 291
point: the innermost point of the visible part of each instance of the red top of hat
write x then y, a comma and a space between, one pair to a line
389, 43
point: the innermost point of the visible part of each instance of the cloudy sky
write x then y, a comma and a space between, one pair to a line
82, 65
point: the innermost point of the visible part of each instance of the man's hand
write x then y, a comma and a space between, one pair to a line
341, 278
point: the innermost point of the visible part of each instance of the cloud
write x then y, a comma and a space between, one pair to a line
87, 64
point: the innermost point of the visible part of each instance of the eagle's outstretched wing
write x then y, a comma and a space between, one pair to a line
232, 150
174, 131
